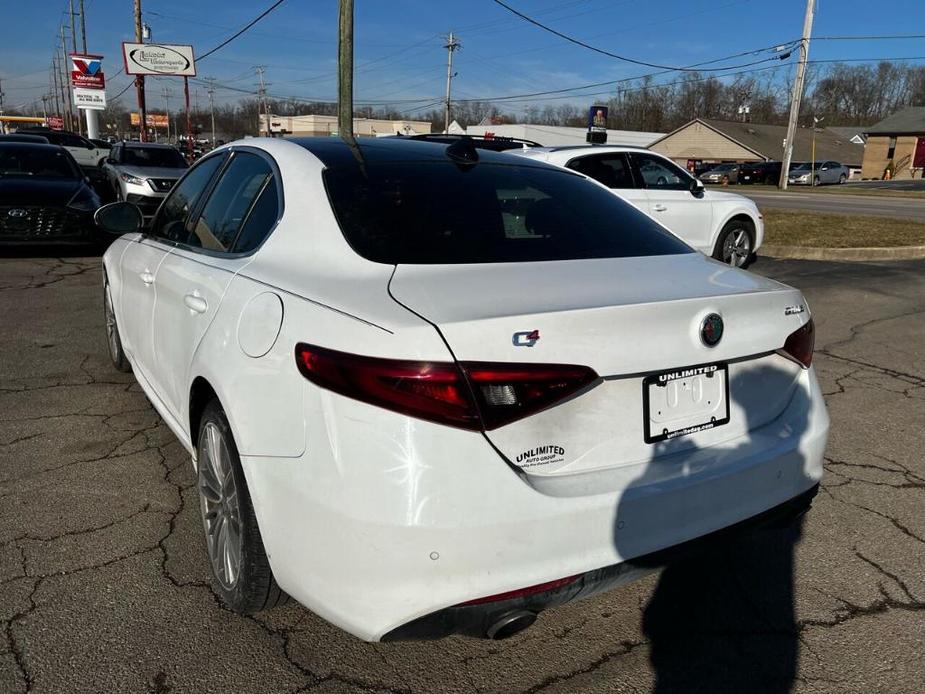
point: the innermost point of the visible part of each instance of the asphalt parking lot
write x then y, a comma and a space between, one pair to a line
104, 581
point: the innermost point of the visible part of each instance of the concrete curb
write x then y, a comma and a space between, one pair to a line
806, 253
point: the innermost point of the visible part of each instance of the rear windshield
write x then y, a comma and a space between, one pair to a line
44, 162
434, 212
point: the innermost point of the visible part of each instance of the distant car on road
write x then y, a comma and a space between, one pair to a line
729, 172
87, 155
766, 172
820, 174
726, 226
44, 196
143, 173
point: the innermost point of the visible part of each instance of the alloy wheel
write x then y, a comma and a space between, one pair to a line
218, 497
737, 247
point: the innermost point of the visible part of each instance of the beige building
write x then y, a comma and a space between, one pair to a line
897, 142
323, 126
715, 141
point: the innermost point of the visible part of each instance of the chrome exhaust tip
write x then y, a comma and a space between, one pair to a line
509, 624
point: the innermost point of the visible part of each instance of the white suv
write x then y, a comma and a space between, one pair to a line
726, 226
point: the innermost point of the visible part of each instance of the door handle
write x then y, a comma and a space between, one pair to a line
147, 277
196, 303
659, 208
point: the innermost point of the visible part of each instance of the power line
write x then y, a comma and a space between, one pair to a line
644, 63
241, 31
869, 38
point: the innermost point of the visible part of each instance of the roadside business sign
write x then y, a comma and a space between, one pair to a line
87, 71
153, 120
93, 99
597, 125
158, 59
55, 122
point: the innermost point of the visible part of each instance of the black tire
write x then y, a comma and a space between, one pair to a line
842, 179
113, 339
746, 253
817, 182
253, 588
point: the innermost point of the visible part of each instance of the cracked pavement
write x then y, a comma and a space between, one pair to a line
104, 585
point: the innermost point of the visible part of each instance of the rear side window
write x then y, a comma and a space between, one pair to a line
433, 212
230, 202
170, 223
610, 169
260, 220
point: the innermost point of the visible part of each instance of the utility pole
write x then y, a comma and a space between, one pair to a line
45, 108
66, 77
166, 94
54, 78
263, 98
797, 92
83, 26
345, 70
451, 46
74, 50
140, 79
2, 124
211, 92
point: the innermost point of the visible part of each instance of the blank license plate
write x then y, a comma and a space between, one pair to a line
684, 401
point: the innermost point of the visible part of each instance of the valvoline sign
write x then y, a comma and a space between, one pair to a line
87, 71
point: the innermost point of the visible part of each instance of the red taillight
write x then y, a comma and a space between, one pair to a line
508, 392
434, 391
523, 592
495, 394
800, 343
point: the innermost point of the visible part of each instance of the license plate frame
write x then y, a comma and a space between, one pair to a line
680, 377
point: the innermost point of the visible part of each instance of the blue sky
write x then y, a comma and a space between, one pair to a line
399, 49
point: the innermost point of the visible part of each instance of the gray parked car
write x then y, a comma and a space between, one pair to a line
821, 173
721, 171
143, 173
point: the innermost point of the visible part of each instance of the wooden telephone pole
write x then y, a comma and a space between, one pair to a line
140, 80
797, 93
345, 70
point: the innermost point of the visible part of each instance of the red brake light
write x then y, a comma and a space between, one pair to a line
435, 391
508, 392
472, 395
800, 343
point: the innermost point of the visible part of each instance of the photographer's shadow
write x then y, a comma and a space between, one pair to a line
722, 616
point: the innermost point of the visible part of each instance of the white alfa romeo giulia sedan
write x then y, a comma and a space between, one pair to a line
430, 389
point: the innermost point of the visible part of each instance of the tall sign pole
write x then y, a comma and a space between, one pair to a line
345, 70
797, 96
451, 46
140, 80
189, 123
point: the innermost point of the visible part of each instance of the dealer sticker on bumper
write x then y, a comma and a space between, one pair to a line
684, 401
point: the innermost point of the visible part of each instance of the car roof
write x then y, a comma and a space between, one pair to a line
31, 145
335, 152
589, 148
147, 145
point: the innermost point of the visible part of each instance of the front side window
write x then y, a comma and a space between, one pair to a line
660, 174
170, 223
610, 169
231, 200
434, 212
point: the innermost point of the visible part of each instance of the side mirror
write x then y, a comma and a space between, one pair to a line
119, 218
696, 187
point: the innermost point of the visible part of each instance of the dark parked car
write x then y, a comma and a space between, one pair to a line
21, 137
767, 172
44, 196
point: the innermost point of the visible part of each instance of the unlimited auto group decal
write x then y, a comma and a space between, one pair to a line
541, 455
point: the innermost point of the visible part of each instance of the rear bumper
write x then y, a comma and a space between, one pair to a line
385, 522
477, 620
